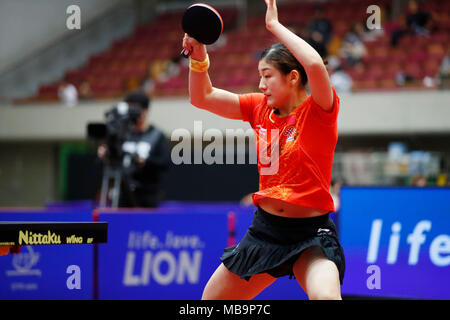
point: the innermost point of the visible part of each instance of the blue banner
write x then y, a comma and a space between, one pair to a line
47, 271
166, 253
162, 256
396, 242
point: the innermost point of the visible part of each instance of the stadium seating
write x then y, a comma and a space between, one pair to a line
234, 63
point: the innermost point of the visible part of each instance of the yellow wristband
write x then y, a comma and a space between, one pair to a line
199, 66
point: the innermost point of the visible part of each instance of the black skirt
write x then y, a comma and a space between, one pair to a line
272, 244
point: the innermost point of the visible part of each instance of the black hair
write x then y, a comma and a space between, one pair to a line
282, 59
138, 98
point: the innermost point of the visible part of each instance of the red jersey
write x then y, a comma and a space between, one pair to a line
299, 148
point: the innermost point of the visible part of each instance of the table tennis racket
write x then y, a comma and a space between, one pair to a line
203, 23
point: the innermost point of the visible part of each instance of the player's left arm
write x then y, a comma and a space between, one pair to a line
318, 79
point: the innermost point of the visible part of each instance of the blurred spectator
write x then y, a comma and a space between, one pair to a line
316, 41
132, 84
172, 68
154, 73
68, 94
402, 78
340, 80
418, 21
413, 21
148, 86
85, 91
444, 71
321, 25
353, 49
397, 29
157, 68
320, 32
418, 181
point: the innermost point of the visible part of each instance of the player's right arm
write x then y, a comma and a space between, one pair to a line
201, 92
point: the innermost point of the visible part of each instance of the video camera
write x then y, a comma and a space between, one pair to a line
119, 122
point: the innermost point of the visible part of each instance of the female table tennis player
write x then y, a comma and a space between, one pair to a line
291, 232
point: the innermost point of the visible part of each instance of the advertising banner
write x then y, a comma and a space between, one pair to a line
50, 272
396, 242
161, 256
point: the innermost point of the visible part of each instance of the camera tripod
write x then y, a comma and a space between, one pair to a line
119, 179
